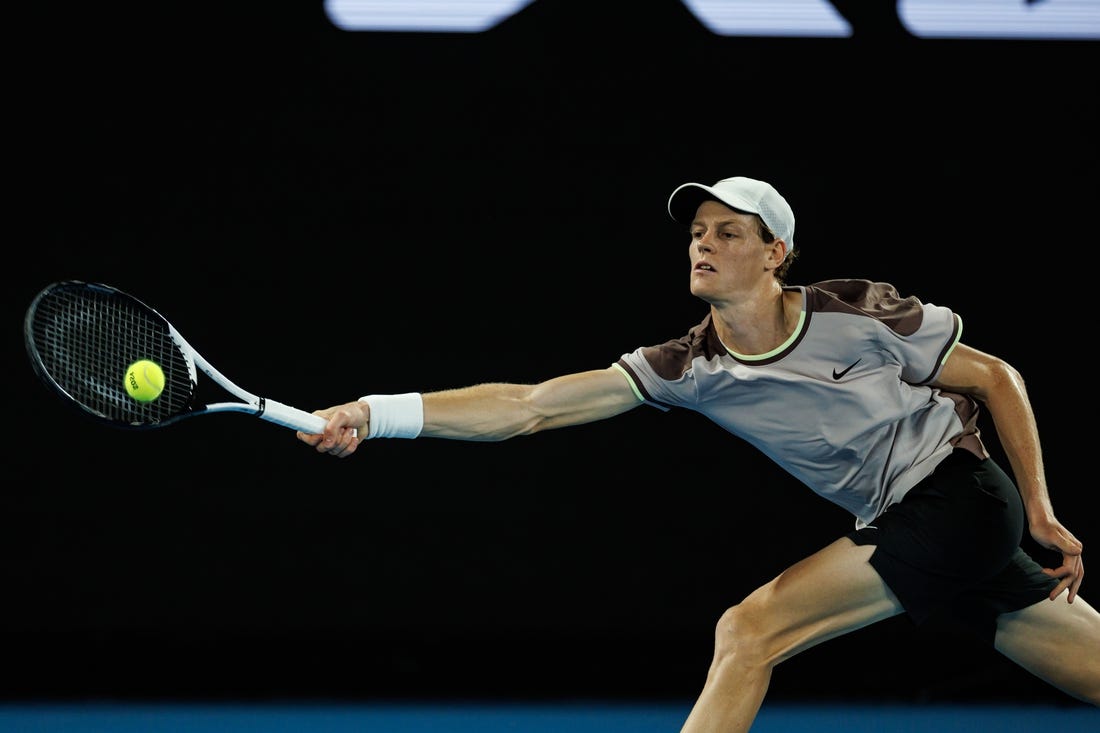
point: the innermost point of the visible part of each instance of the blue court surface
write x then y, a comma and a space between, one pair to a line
520, 718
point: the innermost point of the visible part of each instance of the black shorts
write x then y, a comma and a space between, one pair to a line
952, 545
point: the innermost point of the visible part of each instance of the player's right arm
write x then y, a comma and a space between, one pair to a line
492, 411
501, 411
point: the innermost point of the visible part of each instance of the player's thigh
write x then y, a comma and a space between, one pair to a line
1056, 641
830, 593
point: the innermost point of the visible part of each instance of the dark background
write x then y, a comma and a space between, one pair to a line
325, 214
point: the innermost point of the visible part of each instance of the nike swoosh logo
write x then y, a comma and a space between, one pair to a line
838, 375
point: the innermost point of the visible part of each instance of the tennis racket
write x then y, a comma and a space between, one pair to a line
81, 338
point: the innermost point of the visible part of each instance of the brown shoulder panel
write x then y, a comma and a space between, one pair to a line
875, 299
671, 359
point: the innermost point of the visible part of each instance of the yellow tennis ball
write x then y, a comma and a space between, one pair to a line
144, 380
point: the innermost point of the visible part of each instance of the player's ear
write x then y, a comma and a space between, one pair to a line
778, 249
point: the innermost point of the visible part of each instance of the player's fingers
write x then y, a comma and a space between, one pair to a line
343, 450
339, 442
1058, 589
1078, 578
1069, 575
340, 436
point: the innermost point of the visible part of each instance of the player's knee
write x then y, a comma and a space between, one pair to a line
741, 637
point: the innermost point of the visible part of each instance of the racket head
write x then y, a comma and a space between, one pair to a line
81, 337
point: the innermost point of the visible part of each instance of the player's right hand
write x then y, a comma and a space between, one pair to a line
346, 423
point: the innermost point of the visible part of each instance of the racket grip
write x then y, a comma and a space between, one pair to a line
292, 417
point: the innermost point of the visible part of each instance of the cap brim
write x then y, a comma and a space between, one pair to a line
685, 200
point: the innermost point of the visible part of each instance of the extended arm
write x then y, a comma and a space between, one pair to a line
491, 412
502, 411
1001, 388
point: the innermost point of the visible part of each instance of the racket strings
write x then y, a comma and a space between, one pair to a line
85, 339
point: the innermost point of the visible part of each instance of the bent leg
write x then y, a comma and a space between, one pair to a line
1058, 642
828, 594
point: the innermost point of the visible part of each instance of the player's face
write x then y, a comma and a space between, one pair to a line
727, 254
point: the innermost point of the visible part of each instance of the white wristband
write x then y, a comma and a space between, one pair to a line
395, 415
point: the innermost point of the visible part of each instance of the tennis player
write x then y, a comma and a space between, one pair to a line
865, 395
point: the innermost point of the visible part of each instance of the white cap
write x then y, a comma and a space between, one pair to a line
744, 194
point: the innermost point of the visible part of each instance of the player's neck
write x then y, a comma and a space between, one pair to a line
758, 325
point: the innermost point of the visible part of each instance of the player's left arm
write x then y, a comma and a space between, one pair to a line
1000, 387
